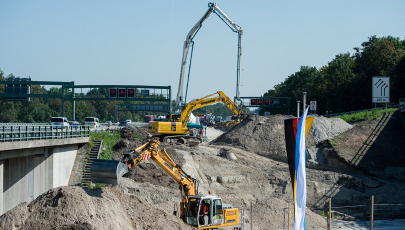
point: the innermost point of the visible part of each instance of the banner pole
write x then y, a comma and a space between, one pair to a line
298, 111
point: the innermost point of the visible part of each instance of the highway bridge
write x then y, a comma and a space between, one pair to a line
34, 159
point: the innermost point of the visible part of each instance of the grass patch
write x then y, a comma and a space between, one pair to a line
373, 114
109, 140
333, 141
97, 185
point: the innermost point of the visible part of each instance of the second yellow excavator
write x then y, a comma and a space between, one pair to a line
178, 127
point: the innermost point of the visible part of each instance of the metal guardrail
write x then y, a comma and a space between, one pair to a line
10, 133
1, 124
357, 111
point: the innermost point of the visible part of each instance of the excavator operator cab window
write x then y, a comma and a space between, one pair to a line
192, 211
218, 213
175, 117
205, 214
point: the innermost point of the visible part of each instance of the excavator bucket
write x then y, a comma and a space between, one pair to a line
107, 171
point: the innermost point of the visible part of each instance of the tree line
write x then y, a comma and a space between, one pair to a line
345, 83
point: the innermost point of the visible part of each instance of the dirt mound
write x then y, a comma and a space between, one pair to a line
132, 137
265, 135
125, 146
271, 216
134, 132
82, 209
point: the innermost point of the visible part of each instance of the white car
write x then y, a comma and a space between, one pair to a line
92, 122
59, 122
129, 121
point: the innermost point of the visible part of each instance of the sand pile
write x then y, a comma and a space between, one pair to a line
265, 136
79, 208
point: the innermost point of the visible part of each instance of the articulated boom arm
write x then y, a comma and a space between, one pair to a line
208, 100
153, 150
189, 41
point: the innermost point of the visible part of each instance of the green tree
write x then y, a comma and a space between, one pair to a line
376, 57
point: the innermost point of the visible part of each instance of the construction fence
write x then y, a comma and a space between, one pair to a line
256, 217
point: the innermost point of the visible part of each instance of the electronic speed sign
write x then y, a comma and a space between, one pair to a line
130, 93
122, 93
113, 92
252, 101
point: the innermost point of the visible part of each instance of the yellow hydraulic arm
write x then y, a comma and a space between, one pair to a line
153, 150
201, 102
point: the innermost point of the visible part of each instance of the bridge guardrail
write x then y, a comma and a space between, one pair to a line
10, 133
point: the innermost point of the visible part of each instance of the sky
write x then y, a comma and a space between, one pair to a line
141, 42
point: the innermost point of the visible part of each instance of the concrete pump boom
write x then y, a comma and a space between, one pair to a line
189, 41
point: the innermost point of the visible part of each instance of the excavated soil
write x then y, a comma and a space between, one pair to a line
265, 135
146, 197
79, 208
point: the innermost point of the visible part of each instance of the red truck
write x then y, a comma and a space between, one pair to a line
148, 118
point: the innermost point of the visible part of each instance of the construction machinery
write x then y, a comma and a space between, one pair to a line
200, 211
178, 126
213, 8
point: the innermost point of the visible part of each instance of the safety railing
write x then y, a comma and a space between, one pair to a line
11, 133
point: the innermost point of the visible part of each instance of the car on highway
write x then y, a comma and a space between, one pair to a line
129, 121
124, 123
59, 122
108, 123
92, 122
74, 123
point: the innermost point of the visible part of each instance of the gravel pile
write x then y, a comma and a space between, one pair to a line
326, 128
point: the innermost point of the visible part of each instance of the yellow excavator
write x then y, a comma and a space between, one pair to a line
200, 211
178, 126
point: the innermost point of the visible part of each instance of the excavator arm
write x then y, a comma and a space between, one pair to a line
209, 100
153, 150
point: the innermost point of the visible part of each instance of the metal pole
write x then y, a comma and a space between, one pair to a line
330, 213
170, 98
238, 65
63, 101
305, 101
251, 215
298, 111
372, 212
288, 220
116, 113
73, 103
243, 219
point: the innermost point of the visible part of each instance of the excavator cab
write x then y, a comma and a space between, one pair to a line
204, 211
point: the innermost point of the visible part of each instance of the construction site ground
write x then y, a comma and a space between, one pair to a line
348, 162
